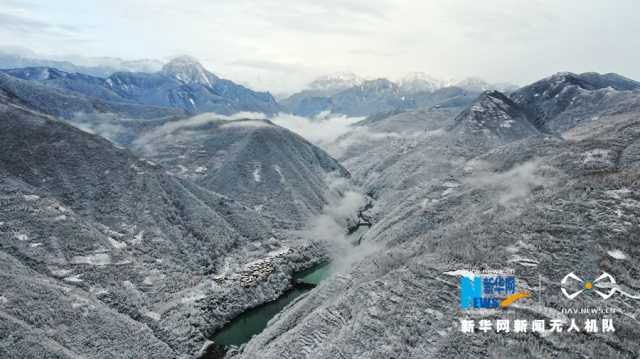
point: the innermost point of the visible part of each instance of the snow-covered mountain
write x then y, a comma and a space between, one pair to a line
539, 204
149, 250
97, 240
493, 119
332, 83
354, 96
182, 84
56, 95
189, 71
563, 100
420, 82
11, 58
275, 171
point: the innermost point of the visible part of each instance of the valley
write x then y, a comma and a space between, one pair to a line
172, 214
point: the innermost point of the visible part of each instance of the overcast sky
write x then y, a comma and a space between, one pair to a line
282, 44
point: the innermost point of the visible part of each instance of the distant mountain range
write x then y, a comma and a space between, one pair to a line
182, 86
354, 96
12, 57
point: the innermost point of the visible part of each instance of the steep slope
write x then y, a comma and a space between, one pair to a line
564, 100
59, 102
493, 119
391, 156
77, 83
107, 256
185, 84
261, 164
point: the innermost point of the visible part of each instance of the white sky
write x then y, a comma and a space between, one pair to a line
280, 45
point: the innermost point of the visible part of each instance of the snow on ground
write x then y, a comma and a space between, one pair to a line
461, 273
138, 238
617, 254
257, 173
277, 168
21, 237
153, 315
117, 244
73, 278
99, 259
31, 197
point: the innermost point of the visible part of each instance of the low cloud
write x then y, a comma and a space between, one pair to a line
511, 186
147, 138
321, 130
330, 227
107, 125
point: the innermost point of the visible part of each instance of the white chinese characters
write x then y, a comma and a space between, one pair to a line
604, 325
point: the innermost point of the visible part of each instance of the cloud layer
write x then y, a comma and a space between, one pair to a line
282, 44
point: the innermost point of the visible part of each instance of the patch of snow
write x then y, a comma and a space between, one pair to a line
98, 291
31, 197
117, 244
138, 238
277, 168
200, 169
506, 124
193, 297
21, 237
618, 193
617, 254
73, 279
461, 273
60, 272
448, 191
35, 245
257, 173
153, 315
451, 184
598, 155
526, 262
99, 259
183, 169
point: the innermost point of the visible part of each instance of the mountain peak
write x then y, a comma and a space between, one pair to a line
188, 70
494, 114
420, 82
336, 81
474, 84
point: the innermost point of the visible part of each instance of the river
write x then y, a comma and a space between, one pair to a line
253, 321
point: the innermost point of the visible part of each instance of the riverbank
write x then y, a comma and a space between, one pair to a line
253, 321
